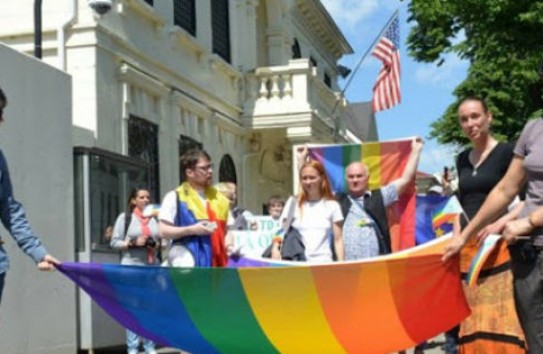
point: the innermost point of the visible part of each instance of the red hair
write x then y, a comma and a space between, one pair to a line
326, 188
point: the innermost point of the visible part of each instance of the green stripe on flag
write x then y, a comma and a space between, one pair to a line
218, 307
351, 153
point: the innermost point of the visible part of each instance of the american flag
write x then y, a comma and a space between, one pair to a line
386, 91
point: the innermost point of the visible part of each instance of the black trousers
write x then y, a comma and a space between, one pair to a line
527, 267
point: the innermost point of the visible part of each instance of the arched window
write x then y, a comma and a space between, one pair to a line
227, 170
296, 52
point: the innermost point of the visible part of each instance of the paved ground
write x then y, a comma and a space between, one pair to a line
434, 347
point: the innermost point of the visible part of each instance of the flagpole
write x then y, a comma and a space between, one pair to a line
370, 48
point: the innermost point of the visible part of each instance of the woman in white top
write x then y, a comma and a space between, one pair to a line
317, 216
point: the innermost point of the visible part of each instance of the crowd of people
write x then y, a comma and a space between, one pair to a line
500, 187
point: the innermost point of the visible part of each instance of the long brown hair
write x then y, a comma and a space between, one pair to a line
133, 195
326, 189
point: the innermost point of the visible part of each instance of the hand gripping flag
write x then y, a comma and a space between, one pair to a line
379, 305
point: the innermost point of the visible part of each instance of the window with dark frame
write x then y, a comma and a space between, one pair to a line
185, 144
143, 145
150, 2
220, 26
327, 80
296, 52
184, 15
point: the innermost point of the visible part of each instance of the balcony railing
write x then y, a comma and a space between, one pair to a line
290, 95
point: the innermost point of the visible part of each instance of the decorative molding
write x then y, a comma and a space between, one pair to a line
220, 65
143, 9
133, 76
187, 40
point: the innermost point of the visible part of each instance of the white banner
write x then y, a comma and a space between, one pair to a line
253, 242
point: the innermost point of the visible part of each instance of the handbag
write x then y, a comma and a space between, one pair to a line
292, 247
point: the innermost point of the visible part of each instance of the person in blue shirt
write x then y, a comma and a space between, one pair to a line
14, 220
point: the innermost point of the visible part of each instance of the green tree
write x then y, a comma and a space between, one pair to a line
502, 40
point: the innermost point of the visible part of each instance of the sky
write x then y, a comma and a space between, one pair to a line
426, 88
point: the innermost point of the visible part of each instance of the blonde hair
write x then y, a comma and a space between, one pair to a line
225, 188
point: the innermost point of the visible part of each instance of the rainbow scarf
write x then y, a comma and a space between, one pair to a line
489, 245
376, 306
386, 162
207, 250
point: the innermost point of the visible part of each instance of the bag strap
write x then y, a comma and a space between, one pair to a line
127, 221
290, 215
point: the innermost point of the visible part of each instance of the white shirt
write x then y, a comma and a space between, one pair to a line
314, 222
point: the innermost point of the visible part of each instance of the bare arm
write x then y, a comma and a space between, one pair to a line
338, 240
496, 202
229, 243
497, 226
522, 227
302, 154
411, 166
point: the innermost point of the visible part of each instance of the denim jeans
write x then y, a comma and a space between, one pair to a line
451, 341
2, 277
133, 343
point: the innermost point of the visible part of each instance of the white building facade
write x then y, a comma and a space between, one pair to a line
243, 79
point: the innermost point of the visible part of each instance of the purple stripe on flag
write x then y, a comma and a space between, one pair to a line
91, 278
241, 262
120, 294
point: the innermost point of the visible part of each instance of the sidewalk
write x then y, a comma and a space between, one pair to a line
434, 347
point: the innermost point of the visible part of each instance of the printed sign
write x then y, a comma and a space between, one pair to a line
253, 242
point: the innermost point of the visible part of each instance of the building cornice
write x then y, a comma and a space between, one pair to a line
324, 27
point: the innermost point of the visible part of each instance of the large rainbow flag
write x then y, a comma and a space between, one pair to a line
376, 306
386, 162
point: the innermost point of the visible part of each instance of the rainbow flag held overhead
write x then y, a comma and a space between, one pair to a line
386, 162
489, 245
379, 305
446, 212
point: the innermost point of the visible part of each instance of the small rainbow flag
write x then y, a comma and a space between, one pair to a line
489, 244
446, 212
427, 205
151, 210
386, 162
379, 305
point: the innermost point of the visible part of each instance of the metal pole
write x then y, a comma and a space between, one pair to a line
342, 94
37, 29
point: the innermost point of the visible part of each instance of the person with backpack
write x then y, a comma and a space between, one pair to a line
136, 236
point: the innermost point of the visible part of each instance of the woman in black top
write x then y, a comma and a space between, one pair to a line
493, 326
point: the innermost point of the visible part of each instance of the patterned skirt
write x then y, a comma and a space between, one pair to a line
493, 326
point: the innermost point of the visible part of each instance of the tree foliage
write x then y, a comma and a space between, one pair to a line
502, 40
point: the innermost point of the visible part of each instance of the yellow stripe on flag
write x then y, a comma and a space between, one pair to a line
371, 156
292, 295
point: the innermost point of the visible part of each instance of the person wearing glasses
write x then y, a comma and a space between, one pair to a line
14, 220
194, 216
